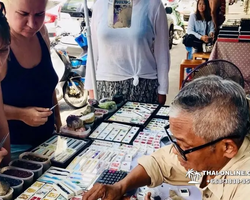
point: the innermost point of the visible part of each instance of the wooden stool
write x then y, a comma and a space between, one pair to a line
203, 56
188, 64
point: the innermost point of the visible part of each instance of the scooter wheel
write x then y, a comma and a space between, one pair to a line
79, 100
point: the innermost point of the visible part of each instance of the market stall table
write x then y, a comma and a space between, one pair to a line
107, 152
236, 52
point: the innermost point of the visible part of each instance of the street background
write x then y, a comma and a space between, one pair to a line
177, 53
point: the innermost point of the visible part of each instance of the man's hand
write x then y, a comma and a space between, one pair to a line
205, 38
3, 153
162, 98
35, 116
105, 192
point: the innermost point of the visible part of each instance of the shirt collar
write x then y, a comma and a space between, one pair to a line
217, 189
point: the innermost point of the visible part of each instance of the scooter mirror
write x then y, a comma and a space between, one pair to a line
89, 13
168, 10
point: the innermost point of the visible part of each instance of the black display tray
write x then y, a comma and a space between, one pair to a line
119, 123
245, 32
228, 35
158, 115
244, 40
245, 23
230, 27
108, 119
74, 147
156, 124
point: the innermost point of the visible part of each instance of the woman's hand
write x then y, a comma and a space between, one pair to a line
35, 116
162, 98
3, 153
205, 38
211, 35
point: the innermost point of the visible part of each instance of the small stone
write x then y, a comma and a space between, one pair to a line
4, 188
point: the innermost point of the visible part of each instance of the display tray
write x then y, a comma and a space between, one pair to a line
103, 155
39, 191
74, 182
163, 112
115, 132
61, 150
157, 125
134, 113
244, 32
228, 35
244, 40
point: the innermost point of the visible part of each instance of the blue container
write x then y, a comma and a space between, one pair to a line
76, 63
82, 40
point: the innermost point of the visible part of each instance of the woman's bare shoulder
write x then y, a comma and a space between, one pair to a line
45, 35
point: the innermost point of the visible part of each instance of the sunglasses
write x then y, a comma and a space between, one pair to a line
2, 9
183, 153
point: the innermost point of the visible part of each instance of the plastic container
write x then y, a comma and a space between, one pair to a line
36, 158
36, 168
9, 195
26, 175
15, 183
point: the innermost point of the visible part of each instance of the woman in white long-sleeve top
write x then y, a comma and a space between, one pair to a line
131, 61
200, 25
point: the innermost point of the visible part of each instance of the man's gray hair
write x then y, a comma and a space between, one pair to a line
218, 107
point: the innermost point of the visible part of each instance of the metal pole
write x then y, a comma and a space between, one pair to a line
90, 49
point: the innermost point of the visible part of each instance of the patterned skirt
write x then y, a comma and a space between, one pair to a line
145, 91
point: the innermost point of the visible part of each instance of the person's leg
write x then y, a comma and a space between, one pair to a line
190, 52
108, 89
189, 57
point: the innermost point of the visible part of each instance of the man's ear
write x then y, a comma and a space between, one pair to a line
230, 148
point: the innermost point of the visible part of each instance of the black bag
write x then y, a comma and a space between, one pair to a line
189, 40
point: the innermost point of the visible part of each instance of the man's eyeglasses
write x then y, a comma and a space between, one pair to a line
2, 9
184, 152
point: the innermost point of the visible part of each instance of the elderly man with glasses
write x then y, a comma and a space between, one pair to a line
209, 126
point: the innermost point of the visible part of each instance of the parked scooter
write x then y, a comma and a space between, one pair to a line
71, 73
73, 27
179, 28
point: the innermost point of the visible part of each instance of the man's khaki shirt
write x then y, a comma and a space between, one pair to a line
163, 166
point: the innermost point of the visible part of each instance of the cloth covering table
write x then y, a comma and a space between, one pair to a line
236, 52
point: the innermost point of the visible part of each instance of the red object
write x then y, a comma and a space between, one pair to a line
228, 40
50, 18
244, 37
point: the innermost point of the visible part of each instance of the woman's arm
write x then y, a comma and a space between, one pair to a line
211, 27
45, 35
214, 5
58, 121
97, 8
191, 26
32, 116
161, 52
4, 130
